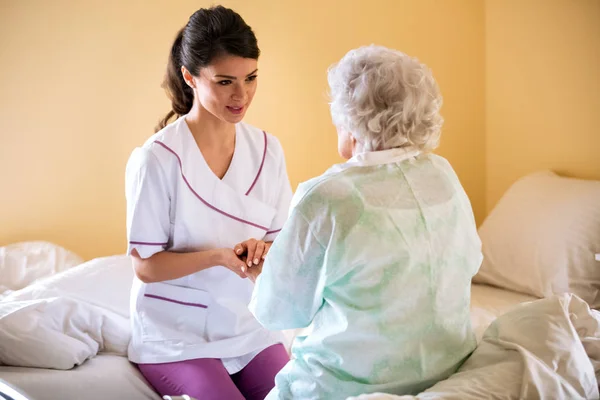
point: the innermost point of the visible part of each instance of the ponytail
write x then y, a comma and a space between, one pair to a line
180, 94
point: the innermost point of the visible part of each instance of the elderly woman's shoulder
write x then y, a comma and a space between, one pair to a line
438, 161
325, 189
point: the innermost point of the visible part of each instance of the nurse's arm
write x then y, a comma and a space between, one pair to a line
289, 291
167, 265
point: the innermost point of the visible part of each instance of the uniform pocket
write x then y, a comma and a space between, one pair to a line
170, 312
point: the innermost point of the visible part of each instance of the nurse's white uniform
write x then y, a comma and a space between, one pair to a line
176, 203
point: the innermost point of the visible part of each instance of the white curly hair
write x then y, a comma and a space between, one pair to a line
385, 99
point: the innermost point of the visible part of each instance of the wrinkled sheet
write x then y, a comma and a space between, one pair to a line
58, 333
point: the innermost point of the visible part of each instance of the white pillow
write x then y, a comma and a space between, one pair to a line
23, 263
542, 237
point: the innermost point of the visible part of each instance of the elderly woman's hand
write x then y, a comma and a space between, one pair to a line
254, 272
252, 251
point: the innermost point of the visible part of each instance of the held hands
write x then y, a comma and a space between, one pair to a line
228, 259
254, 272
253, 253
246, 259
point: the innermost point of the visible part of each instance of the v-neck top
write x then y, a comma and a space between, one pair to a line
236, 150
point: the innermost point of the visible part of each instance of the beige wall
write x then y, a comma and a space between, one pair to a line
542, 90
80, 88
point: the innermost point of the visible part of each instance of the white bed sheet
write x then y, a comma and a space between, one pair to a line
103, 377
488, 303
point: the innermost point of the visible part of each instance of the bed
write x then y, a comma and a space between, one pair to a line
64, 332
110, 375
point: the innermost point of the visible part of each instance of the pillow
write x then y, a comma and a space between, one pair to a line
23, 263
542, 237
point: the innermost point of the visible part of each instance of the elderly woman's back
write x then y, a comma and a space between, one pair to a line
378, 255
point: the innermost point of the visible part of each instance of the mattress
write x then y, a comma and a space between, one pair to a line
103, 377
488, 303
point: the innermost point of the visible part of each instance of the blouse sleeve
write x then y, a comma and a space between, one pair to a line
148, 204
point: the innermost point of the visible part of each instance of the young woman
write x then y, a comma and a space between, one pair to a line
197, 188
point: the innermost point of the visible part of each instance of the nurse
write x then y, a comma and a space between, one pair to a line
378, 253
203, 184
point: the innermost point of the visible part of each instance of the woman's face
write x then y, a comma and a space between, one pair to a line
225, 88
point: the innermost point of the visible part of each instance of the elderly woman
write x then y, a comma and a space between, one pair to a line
378, 253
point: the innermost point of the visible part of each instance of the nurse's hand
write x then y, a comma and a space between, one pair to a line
253, 250
229, 259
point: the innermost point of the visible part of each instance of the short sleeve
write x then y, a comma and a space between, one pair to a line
148, 204
284, 198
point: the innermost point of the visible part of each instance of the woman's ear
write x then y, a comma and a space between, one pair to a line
354, 144
188, 77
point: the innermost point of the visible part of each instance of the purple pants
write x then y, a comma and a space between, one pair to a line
207, 378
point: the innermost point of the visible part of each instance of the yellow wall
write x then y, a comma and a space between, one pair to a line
542, 90
80, 88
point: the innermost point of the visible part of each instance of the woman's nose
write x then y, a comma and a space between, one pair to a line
239, 93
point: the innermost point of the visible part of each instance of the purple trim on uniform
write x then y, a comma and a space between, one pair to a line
175, 301
149, 243
201, 199
275, 231
262, 163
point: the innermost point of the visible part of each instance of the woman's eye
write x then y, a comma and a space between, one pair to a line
225, 82
251, 78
